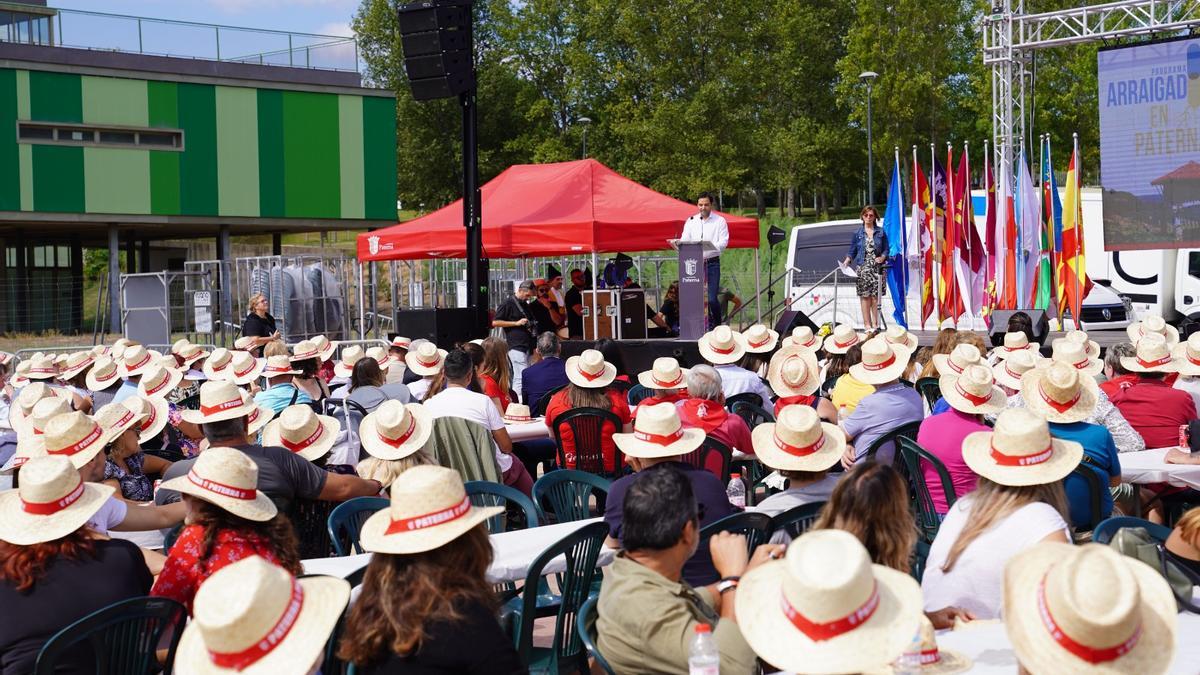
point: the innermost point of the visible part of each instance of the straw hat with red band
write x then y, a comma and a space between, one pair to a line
722, 345
1060, 393
178, 345
933, 660
1019, 451
19, 379
350, 356
900, 338
1152, 325
75, 436
228, 478
116, 419
759, 339
5, 358
396, 430
259, 416
76, 363
103, 374
325, 347
244, 343
401, 342
1090, 346
429, 509
842, 339
158, 381
426, 359
27, 448
156, 413
304, 350
42, 368
793, 371
880, 363
658, 432
277, 366
803, 337
1187, 356
216, 366
52, 502
1087, 609
189, 354
1153, 355
38, 418
1015, 343
30, 394
136, 360
1075, 355
798, 441
518, 412
219, 401
664, 374
1009, 371
824, 608
254, 618
590, 371
381, 356
244, 368
974, 392
301, 431
957, 360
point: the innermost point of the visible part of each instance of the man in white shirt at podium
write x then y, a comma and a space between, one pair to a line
710, 227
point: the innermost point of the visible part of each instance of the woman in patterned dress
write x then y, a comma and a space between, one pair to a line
868, 250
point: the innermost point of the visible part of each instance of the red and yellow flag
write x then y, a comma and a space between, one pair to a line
1073, 282
921, 217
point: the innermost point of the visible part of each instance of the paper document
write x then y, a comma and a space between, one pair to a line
847, 270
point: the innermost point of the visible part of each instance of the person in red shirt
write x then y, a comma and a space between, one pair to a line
1151, 405
794, 377
666, 380
705, 409
1117, 377
495, 377
229, 519
589, 377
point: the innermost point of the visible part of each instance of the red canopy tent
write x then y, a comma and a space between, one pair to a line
550, 209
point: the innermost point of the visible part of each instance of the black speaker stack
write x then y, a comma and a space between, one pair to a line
436, 37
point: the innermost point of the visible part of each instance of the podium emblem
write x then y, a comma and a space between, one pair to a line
689, 267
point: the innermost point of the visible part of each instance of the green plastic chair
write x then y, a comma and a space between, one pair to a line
346, 521
485, 493
1095, 488
754, 525
586, 625
912, 455
753, 415
796, 520
930, 389
122, 639
581, 549
1103, 533
906, 430
569, 493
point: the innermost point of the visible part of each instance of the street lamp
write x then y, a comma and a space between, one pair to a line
869, 76
586, 122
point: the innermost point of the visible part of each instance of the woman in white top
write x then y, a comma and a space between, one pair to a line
1018, 502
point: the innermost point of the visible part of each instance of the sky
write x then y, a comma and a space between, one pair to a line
330, 17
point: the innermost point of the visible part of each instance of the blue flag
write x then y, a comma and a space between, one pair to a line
894, 228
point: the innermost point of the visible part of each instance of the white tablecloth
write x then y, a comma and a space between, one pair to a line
989, 649
514, 551
528, 431
1148, 466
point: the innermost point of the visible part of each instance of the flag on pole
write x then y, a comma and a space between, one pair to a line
1006, 240
936, 216
1029, 224
924, 225
1051, 234
970, 271
951, 291
893, 227
990, 243
1074, 284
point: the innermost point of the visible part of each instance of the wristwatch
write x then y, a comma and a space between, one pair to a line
727, 584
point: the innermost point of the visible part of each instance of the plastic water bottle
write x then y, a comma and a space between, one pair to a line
736, 490
703, 658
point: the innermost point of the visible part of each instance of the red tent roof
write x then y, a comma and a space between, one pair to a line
1189, 171
551, 209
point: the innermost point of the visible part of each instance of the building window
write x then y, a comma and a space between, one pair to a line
51, 133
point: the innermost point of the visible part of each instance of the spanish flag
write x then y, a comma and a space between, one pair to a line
1073, 282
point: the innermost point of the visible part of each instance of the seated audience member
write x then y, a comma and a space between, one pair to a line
126, 466
311, 360
345, 365
1150, 326
944, 343
970, 396
494, 373
281, 390
55, 571
846, 391
1066, 398
282, 474
669, 441
424, 360
648, 609
1152, 407
666, 381
103, 381
547, 374
900, 338
723, 348
1018, 502
965, 354
394, 437
274, 348
73, 375
1106, 414
825, 608
793, 376
325, 362
871, 502
803, 337
705, 409
304, 433
612, 354
228, 519
1009, 371
1088, 609
1021, 322
458, 401
134, 361
1116, 377
1184, 542
666, 320
590, 377
397, 351
1014, 343
427, 604
760, 342
368, 386
802, 448
253, 616
891, 405
1187, 356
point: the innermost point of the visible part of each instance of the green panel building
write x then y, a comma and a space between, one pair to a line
122, 148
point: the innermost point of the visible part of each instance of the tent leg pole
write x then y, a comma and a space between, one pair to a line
362, 314
595, 296
757, 288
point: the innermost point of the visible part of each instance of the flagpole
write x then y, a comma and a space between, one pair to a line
1078, 215
903, 236
1055, 281
987, 254
937, 297
970, 290
916, 194
950, 200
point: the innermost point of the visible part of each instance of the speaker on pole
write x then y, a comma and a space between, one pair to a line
436, 37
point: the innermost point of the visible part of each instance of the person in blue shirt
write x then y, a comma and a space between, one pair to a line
280, 391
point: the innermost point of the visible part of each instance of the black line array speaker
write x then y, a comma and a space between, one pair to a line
436, 37
1000, 317
447, 326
